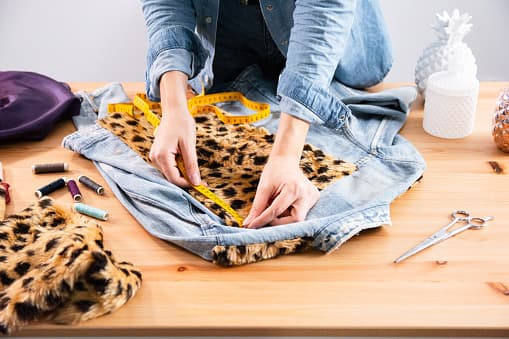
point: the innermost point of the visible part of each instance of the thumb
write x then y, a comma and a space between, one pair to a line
260, 202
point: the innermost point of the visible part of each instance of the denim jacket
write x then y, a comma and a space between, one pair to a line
340, 40
387, 165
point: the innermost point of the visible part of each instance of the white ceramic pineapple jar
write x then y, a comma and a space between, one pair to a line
451, 102
450, 29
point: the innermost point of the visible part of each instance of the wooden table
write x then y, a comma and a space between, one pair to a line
460, 287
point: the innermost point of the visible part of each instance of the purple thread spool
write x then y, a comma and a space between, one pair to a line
74, 190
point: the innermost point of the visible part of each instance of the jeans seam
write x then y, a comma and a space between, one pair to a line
322, 229
159, 205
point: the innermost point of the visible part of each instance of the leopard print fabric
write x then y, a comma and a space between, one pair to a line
230, 157
53, 266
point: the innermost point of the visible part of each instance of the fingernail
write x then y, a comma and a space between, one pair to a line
247, 220
195, 179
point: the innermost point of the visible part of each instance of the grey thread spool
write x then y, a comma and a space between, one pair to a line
91, 184
50, 168
51, 187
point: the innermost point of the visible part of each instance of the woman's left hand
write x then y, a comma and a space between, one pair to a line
284, 195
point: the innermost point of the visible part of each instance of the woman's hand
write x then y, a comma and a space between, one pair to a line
176, 133
284, 194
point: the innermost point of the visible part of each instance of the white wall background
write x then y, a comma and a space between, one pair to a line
105, 40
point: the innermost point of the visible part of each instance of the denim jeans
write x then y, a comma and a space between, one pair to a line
387, 166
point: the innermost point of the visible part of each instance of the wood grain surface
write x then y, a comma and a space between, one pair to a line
459, 287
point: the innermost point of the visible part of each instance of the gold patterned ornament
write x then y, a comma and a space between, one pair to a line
501, 121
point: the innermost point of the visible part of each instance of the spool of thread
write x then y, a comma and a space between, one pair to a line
91, 184
50, 168
51, 187
91, 211
74, 190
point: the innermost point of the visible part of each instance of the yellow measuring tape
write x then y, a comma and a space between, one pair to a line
199, 104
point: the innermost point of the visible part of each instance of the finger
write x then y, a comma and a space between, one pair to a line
176, 178
190, 158
168, 167
260, 202
298, 212
172, 173
278, 206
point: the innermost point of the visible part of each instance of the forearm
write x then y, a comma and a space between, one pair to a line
173, 86
317, 44
290, 137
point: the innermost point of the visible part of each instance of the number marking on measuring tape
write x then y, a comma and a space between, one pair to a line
123, 108
203, 104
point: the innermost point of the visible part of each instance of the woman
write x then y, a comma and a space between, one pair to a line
303, 46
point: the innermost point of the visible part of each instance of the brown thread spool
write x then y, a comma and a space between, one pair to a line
50, 168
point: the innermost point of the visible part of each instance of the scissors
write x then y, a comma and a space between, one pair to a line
446, 232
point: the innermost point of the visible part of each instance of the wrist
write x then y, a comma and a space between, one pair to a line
290, 137
173, 86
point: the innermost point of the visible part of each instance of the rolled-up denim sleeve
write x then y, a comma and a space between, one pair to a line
172, 42
317, 43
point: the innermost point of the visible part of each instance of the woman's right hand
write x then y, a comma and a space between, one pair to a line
176, 133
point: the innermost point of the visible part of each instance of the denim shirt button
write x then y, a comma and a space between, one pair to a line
208, 19
284, 42
269, 7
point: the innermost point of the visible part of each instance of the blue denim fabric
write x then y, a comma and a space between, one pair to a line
387, 166
323, 42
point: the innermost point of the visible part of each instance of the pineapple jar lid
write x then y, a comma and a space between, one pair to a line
450, 83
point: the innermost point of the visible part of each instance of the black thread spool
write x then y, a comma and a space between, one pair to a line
49, 188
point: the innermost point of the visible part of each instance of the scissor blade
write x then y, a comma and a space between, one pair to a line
421, 246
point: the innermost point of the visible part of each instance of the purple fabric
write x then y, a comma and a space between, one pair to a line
31, 103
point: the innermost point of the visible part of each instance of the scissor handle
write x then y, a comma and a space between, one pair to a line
460, 215
476, 223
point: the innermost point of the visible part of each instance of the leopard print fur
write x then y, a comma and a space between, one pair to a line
53, 266
230, 157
